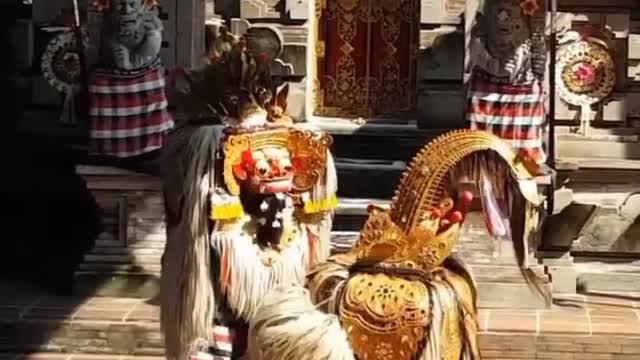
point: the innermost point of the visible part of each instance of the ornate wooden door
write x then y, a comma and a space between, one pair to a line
366, 57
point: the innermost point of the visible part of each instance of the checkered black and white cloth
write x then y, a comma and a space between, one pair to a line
128, 111
513, 112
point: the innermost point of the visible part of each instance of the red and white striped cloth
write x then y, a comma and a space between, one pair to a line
220, 347
515, 113
128, 111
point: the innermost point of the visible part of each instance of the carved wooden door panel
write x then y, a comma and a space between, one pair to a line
366, 57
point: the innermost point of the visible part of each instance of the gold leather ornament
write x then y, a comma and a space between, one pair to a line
309, 148
385, 317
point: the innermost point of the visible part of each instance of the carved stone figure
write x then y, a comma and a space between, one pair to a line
132, 34
128, 110
508, 58
249, 199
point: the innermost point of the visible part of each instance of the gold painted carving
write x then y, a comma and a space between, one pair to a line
307, 147
350, 92
385, 317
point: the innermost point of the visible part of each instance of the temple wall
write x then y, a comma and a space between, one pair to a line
593, 223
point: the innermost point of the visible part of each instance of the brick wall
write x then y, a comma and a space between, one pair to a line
559, 347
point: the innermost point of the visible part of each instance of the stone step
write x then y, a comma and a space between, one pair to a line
127, 329
137, 251
377, 140
355, 177
605, 164
598, 132
609, 282
109, 241
599, 149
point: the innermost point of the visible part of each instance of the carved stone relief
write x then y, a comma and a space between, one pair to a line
441, 54
612, 229
442, 11
297, 9
256, 9
265, 38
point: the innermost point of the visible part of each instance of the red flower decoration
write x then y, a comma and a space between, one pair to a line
585, 72
529, 7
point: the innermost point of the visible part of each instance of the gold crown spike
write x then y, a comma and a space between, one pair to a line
307, 148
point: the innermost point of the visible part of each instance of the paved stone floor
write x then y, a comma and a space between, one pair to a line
586, 327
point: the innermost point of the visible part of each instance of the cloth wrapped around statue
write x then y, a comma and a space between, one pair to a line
128, 111
514, 112
507, 53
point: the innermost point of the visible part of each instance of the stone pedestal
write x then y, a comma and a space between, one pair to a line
560, 267
258, 9
125, 260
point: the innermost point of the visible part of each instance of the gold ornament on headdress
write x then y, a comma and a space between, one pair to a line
308, 148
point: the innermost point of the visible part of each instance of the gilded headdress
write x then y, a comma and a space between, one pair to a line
423, 224
308, 150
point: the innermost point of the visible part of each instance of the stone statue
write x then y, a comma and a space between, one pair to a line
132, 34
128, 109
508, 59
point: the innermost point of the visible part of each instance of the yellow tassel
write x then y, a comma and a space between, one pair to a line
226, 211
320, 205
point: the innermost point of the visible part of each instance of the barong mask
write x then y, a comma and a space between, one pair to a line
262, 152
249, 197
